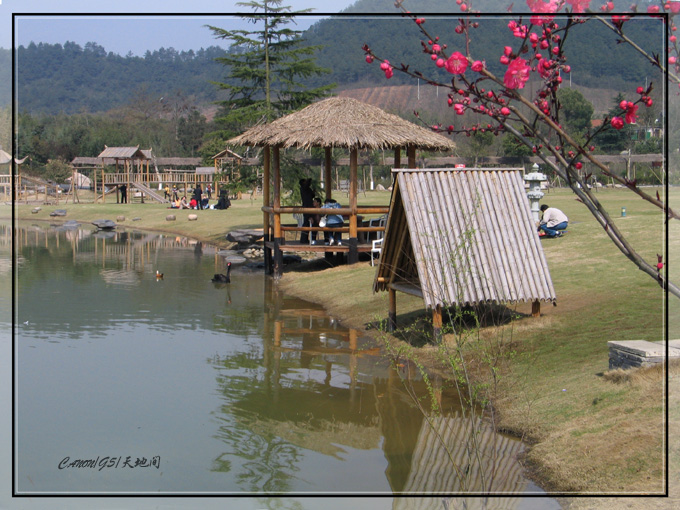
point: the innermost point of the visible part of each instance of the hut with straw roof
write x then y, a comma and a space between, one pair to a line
333, 122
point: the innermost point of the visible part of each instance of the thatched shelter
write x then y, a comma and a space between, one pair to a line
333, 122
462, 237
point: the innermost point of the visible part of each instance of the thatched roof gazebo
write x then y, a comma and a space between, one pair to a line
333, 122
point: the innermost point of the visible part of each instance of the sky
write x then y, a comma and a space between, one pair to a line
133, 26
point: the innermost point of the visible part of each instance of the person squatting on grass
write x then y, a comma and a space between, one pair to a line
554, 221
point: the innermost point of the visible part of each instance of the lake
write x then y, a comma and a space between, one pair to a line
130, 384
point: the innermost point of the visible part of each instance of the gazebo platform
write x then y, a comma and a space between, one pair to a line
297, 246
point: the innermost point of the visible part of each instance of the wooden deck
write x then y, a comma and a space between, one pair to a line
297, 246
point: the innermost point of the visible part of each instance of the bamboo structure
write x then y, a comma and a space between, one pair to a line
461, 238
332, 122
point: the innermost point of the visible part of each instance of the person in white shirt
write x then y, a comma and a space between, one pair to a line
554, 221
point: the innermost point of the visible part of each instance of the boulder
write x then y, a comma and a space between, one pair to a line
58, 212
245, 236
170, 217
104, 224
192, 217
120, 218
36, 210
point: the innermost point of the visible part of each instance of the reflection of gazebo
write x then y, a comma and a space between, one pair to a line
333, 122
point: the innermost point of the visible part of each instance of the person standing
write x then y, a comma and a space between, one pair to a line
197, 195
554, 221
123, 193
307, 195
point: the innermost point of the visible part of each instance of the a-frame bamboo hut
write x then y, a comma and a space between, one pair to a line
462, 237
332, 122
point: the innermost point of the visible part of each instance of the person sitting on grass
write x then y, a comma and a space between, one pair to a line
554, 221
183, 204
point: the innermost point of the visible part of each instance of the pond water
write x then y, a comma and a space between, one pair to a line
126, 383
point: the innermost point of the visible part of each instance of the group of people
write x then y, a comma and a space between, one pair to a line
198, 201
309, 199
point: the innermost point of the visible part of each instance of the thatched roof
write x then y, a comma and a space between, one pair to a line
342, 122
122, 153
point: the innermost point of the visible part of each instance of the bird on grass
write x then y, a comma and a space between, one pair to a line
223, 278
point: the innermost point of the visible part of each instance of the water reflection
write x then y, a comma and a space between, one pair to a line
239, 388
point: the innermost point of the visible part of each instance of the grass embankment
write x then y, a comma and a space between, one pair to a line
588, 431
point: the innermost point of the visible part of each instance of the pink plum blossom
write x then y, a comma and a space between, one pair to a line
617, 122
456, 63
579, 6
477, 66
517, 74
631, 113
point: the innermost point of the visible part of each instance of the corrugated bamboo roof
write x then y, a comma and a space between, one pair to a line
463, 237
342, 122
123, 153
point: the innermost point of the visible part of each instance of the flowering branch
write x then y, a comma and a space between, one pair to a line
509, 109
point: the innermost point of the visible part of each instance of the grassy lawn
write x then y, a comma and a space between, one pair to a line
589, 431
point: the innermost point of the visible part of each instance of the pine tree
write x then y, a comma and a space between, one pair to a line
267, 66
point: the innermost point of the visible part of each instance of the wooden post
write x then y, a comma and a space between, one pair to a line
327, 172
437, 323
266, 202
278, 235
353, 255
536, 308
392, 312
411, 153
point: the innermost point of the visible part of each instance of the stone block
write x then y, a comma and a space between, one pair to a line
170, 217
640, 353
192, 217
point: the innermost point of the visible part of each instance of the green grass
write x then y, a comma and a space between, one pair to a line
597, 435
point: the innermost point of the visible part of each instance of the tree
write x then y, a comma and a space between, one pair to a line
576, 110
536, 48
613, 141
266, 65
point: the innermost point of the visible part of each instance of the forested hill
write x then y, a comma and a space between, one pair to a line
594, 55
68, 78
5, 76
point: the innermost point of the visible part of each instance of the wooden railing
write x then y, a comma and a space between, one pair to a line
346, 212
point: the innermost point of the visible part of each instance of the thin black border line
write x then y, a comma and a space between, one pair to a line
665, 16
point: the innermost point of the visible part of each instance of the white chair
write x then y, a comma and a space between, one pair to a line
300, 222
376, 245
376, 248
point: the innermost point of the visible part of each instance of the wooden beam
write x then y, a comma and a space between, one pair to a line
327, 171
392, 311
437, 323
411, 152
536, 308
353, 255
266, 204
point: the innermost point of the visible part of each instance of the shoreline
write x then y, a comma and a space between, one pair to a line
308, 286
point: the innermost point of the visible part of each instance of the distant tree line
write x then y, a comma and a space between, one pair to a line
68, 78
